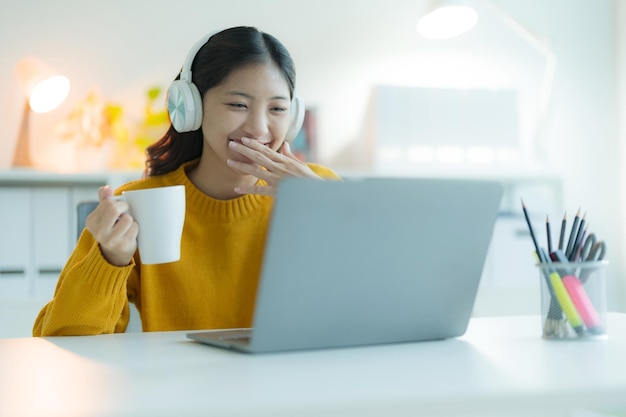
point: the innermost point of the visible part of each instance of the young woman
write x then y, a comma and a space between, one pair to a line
230, 155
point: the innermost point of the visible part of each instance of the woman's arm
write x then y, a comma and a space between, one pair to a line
90, 297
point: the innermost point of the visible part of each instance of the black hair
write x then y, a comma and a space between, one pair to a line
223, 53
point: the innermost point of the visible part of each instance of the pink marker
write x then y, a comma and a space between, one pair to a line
582, 303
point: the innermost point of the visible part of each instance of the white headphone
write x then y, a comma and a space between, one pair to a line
184, 103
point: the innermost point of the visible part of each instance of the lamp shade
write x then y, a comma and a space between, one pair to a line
44, 88
446, 19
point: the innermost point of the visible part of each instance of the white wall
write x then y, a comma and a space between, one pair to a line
122, 46
341, 51
620, 52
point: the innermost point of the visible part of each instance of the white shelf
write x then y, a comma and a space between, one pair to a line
30, 177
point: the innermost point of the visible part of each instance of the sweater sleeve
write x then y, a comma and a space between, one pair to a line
324, 172
90, 297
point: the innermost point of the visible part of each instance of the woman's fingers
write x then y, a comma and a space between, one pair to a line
255, 151
268, 160
104, 192
254, 170
267, 165
113, 228
285, 149
106, 215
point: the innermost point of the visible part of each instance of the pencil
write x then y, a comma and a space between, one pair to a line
563, 224
548, 234
578, 252
572, 234
530, 228
579, 236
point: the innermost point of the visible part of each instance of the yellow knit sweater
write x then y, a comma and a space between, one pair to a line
212, 286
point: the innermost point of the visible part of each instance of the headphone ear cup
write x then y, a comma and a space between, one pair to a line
297, 118
184, 105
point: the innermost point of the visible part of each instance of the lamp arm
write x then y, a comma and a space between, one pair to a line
541, 45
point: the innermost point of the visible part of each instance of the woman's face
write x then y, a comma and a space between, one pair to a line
252, 102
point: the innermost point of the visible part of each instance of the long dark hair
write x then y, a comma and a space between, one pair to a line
223, 53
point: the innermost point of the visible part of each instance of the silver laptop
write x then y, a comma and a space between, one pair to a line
368, 261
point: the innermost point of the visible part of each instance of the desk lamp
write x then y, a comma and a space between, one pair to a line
44, 90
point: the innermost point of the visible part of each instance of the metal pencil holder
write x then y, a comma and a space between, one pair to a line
573, 300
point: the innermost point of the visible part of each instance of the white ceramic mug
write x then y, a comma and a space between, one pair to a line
160, 213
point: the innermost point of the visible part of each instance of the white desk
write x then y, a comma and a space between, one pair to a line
501, 366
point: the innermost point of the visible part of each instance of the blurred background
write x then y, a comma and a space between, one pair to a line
534, 96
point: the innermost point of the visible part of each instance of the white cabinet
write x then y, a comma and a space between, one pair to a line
38, 225
510, 282
15, 237
37, 235
51, 214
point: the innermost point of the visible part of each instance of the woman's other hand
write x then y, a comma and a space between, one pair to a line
114, 229
267, 165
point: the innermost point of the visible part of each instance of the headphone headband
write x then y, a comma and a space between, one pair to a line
185, 72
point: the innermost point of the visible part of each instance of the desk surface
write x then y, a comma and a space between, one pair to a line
500, 364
